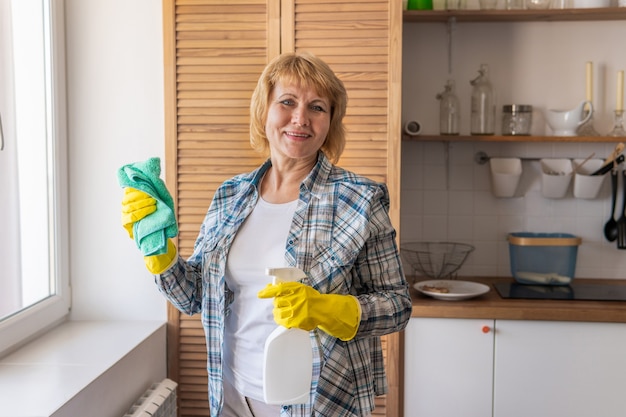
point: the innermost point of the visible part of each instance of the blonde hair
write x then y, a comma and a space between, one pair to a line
308, 71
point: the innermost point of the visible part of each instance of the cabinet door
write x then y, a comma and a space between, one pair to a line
547, 369
448, 367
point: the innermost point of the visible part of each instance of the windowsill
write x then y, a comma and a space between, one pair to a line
94, 368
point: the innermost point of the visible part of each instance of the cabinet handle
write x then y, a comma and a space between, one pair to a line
486, 329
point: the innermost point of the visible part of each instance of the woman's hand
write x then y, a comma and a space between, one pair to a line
135, 206
301, 306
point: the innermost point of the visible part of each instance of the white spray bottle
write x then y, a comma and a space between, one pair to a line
288, 356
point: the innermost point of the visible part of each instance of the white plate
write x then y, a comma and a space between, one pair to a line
458, 290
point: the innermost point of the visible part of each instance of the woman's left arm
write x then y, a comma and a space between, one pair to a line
378, 277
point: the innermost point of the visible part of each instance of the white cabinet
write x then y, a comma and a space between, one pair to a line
510, 368
448, 368
548, 369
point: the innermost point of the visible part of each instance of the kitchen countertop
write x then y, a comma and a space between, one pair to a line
492, 306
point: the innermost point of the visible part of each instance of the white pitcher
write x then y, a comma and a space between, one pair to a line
565, 122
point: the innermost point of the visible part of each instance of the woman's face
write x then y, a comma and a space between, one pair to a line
298, 120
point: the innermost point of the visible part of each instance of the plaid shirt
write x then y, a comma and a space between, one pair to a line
342, 237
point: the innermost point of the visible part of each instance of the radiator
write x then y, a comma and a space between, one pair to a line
158, 401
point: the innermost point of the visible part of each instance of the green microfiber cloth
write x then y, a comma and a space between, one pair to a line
151, 232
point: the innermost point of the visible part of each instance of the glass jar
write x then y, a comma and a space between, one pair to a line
448, 110
483, 105
516, 119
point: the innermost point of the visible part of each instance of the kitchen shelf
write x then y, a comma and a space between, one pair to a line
549, 15
502, 138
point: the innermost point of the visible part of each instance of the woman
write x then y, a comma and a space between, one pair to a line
297, 210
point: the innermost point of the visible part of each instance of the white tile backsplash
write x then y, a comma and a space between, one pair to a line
462, 208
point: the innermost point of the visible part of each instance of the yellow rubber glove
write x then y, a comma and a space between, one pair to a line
301, 306
135, 206
157, 264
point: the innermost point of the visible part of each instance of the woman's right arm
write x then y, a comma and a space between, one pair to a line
182, 283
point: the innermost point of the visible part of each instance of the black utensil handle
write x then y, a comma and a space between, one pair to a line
621, 222
609, 166
613, 191
623, 212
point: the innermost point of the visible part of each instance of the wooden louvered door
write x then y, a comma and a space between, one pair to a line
214, 52
361, 41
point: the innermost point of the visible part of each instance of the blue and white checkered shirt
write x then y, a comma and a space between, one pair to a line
342, 237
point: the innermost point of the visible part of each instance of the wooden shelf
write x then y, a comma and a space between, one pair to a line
500, 138
549, 15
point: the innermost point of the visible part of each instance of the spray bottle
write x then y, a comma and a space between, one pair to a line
288, 356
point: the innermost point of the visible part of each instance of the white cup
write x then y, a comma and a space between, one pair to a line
586, 185
556, 174
505, 176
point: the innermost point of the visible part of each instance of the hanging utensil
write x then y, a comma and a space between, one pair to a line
611, 160
577, 167
621, 222
606, 168
619, 148
610, 228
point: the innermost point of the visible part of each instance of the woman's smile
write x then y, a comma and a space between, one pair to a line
297, 135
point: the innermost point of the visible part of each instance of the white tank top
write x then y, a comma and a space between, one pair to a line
259, 244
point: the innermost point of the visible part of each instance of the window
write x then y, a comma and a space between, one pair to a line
34, 278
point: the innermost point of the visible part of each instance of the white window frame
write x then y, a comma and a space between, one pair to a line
26, 324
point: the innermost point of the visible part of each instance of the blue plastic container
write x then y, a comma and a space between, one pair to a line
543, 258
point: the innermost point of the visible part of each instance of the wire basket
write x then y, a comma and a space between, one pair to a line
435, 259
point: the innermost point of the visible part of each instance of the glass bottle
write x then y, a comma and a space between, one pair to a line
448, 110
483, 106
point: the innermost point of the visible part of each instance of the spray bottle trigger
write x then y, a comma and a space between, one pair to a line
288, 274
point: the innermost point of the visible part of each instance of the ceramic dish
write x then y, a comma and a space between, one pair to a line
457, 290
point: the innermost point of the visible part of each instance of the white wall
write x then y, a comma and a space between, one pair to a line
115, 103
537, 63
